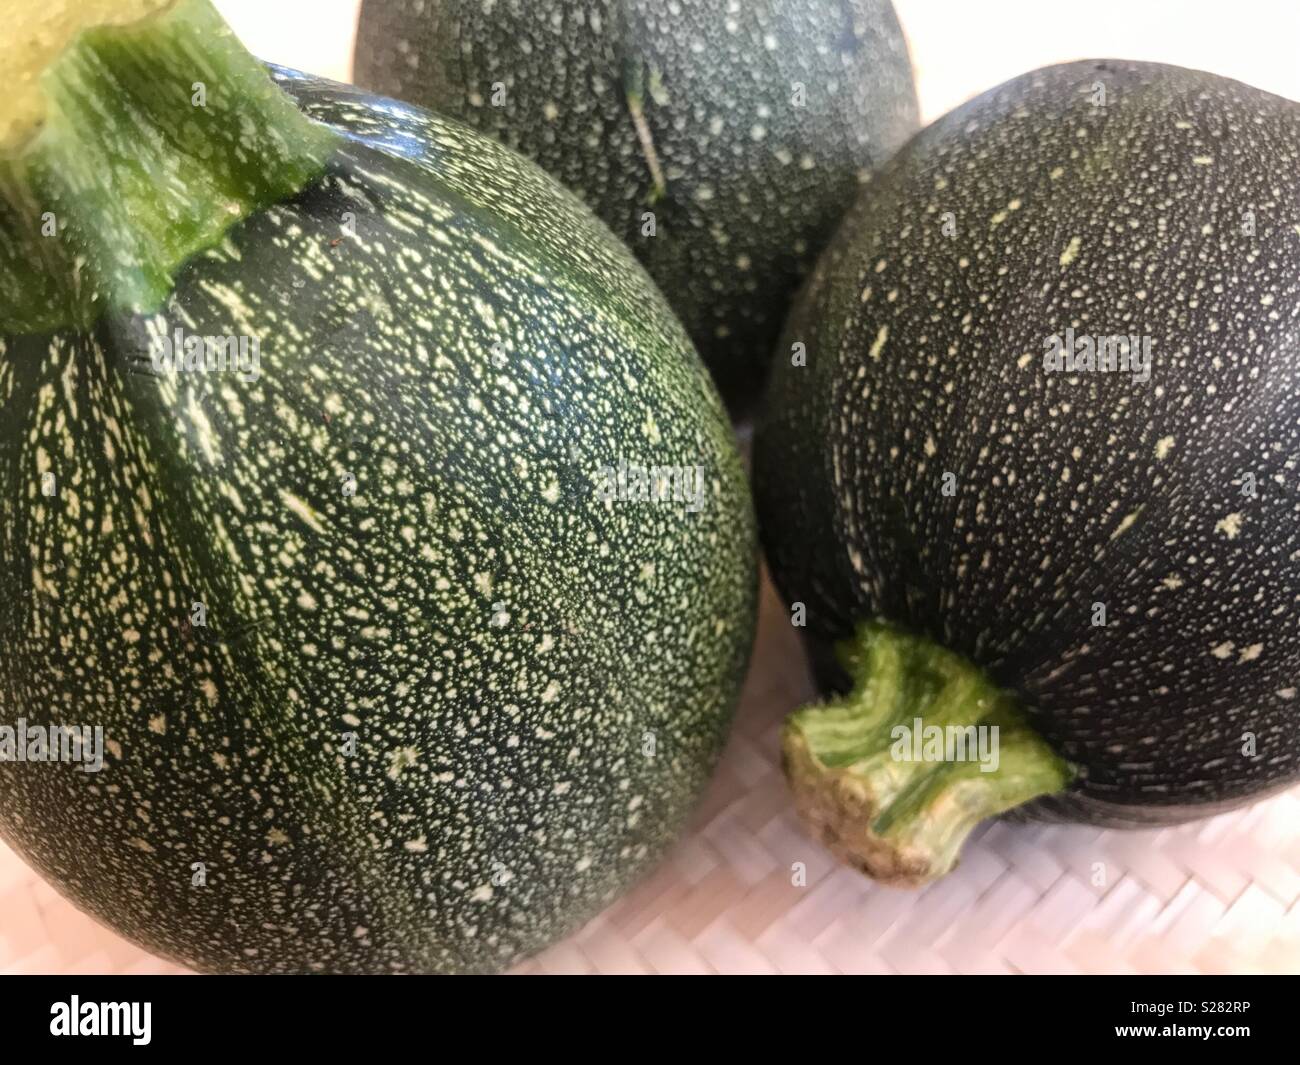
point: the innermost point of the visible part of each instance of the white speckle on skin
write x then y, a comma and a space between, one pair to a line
878, 345
1229, 526
303, 510
1001, 216
1126, 523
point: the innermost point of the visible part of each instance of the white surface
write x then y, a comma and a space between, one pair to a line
311, 35
962, 47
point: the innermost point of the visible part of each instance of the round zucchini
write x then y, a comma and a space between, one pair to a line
401, 660
1032, 464
721, 140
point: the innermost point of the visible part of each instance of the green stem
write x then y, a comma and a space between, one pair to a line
138, 132
893, 776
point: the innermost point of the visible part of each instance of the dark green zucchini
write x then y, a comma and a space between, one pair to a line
723, 140
392, 675
1111, 541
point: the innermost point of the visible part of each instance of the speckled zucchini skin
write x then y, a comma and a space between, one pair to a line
538, 681
753, 185
925, 356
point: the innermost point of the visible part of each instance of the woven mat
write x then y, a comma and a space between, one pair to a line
1218, 896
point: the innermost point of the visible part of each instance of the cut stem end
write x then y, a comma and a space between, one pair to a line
893, 777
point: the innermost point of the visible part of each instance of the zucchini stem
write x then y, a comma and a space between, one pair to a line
893, 777
138, 132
